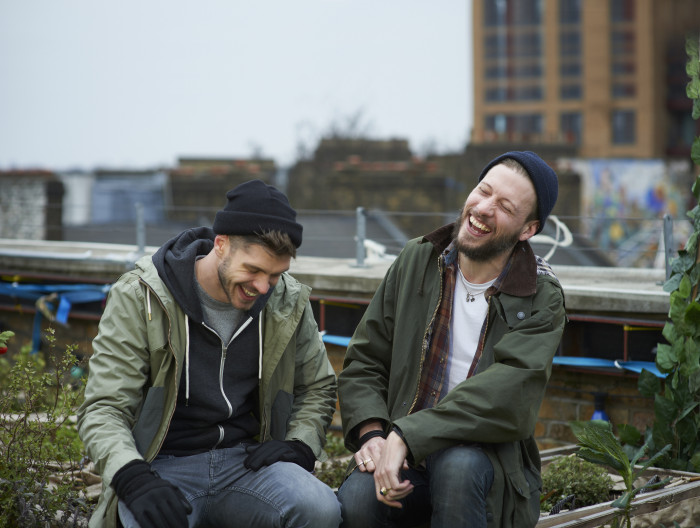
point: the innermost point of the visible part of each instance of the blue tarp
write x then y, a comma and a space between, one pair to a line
48, 297
571, 361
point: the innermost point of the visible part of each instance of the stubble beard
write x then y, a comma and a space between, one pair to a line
495, 247
223, 281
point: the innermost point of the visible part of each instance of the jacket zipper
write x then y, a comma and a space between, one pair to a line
222, 363
424, 345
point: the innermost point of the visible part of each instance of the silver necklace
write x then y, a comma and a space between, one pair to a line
470, 296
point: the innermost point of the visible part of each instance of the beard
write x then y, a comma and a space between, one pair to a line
494, 247
223, 280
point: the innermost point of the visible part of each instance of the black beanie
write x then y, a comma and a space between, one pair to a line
544, 179
254, 207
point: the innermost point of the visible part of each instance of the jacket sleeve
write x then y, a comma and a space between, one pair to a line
500, 403
314, 387
363, 384
118, 374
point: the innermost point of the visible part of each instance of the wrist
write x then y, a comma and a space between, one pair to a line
396, 429
369, 425
372, 433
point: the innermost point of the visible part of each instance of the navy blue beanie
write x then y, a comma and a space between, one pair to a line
544, 179
254, 207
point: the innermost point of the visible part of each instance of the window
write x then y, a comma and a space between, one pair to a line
622, 10
570, 126
517, 70
514, 123
623, 67
527, 45
622, 90
570, 91
623, 42
570, 43
624, 124
512, 12
570, 69
569, 11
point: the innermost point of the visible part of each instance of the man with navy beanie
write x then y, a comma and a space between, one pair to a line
444, 376
210, 391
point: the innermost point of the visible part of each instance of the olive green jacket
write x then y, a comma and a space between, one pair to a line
497, 407
137, 361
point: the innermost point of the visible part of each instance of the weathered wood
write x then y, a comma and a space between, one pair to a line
598, 514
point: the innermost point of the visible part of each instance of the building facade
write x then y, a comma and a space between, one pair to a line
605, 75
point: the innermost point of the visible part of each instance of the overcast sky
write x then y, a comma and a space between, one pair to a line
139, 83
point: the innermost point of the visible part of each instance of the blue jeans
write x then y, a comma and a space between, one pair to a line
450, 491
224, 493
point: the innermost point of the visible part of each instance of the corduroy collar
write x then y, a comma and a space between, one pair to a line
519, 276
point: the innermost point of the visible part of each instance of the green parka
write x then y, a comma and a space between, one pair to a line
497, 407
137, 362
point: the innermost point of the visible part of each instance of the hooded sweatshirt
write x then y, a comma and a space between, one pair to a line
217, 398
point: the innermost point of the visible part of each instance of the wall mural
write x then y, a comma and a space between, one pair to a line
624, 202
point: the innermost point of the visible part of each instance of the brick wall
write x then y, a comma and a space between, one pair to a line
570, 396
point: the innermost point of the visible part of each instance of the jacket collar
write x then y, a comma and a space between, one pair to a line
518, 277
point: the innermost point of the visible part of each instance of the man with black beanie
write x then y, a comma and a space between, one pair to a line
210, 392
445, 374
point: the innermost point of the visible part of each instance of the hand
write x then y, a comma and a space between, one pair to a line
272, 451
386, 476
155, 502
369, 454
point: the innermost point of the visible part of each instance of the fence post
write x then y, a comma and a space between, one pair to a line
140, 229
361, 228
668, 243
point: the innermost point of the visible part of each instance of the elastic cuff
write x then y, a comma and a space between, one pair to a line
371, 434
395, 429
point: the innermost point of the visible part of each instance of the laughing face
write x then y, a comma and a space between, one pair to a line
495, 216
247, 271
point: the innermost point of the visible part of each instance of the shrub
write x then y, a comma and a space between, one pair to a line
332, 471
570, 475
40, 451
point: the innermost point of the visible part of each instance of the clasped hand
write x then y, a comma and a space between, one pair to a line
385, 459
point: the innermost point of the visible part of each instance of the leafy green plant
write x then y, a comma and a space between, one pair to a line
40, 451
598, 444
571, 475
677, 402
332, 471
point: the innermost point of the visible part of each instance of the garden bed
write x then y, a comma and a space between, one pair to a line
678, 501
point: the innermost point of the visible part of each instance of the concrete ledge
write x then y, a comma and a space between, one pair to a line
628, 291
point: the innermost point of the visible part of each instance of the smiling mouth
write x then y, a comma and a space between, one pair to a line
249, 293
478, 225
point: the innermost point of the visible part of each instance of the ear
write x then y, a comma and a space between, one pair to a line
529, 230
220, 243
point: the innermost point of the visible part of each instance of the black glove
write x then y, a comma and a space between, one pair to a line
155, 502
272, 451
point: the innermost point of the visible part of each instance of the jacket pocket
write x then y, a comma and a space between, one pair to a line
281, 414
149, 419
526, 489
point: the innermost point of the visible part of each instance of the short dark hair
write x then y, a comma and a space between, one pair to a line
278, 243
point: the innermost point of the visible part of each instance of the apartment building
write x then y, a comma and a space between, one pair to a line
607, 76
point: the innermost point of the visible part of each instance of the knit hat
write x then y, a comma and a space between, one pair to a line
255, 207
543, 178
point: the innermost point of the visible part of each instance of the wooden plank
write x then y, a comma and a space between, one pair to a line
594, 516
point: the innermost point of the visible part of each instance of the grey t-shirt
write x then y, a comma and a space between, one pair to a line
221, 316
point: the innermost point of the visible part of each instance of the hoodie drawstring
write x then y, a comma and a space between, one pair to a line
260, 347
187, 361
